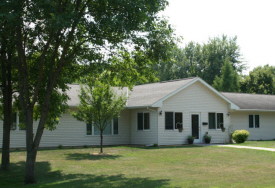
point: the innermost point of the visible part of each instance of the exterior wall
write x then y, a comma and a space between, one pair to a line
239, 120
71, 132
144, 136
196, 98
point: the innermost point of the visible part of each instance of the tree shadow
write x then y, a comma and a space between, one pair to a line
88, 156
57, 179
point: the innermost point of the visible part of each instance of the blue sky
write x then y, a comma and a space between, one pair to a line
252, 21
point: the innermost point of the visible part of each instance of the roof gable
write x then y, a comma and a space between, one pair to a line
197, 79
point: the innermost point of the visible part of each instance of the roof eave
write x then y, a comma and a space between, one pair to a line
255, 110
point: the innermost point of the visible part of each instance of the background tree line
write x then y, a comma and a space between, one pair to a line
218, 62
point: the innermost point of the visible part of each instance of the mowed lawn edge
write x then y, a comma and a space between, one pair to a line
260, 143
170, 166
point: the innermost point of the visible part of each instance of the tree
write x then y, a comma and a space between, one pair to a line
202, 60
260, 81
54, 37
7, 84
228, 81
99, 104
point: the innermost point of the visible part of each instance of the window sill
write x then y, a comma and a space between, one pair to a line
171, 129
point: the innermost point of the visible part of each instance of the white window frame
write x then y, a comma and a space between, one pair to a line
17, 123
254, 122
174, 120
112, 129
216, 120
143, 112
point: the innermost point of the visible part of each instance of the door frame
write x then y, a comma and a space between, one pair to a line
199, 126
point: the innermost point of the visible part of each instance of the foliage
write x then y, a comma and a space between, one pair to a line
99, 104
52, 39
202, 60
260, 81
207, 139
190, 139
240, 136
229, 79
155, 145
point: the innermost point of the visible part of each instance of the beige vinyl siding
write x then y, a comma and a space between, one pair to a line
239, 120
71, 132
144, 136
194, 99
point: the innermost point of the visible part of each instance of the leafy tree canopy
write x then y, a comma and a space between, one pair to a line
53, 38
229, 79
260, 80
202, 60
99, 104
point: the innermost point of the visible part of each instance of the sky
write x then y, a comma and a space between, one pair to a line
252, 21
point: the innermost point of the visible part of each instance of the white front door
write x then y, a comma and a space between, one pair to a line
195, 127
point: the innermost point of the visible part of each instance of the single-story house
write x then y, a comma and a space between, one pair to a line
154, 112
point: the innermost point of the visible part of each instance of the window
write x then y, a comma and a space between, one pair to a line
254, 121
110, 129
215, 120
173, 120
211, 120
219, 120
143, 121
16, 120
89, 129
178, 120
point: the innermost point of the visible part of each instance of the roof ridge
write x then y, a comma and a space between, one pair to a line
167, 81
248, 93
177, 80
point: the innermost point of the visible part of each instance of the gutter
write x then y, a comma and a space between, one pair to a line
254, 110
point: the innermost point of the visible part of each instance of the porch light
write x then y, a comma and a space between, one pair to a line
160, 112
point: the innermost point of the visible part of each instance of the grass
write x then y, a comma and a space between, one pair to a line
266, 144
178, 166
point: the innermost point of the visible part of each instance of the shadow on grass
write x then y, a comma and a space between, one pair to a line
168, 147
45, 177
88, 156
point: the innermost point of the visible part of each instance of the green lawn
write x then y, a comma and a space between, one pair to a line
266, 144
182, 166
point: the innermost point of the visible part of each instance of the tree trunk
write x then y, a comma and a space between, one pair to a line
101, 141
31, 149
5, 164
7, 100
30, 167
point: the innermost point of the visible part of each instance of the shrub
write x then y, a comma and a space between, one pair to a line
60, 147
240, 136
155, 145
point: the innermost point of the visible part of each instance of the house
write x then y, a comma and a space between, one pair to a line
154, 112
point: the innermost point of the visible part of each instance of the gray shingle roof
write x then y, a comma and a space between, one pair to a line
141, 95
148, 94
251, 101
74, 90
